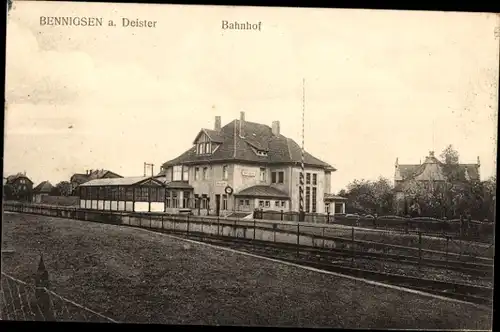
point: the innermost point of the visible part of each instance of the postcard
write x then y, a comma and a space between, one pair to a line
249, 166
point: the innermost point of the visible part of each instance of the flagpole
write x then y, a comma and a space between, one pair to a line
302, 173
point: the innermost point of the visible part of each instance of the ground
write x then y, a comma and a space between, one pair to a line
132, 275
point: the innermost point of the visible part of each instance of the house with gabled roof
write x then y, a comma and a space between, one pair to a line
432, 171
80, 178
42, 189
20, 187
243, 166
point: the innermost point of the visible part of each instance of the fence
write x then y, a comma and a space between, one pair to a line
463, 228
340, 237
61, 200
23, 301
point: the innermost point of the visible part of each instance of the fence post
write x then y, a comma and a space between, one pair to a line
419, 248
150, 217
187, 229
218, 225
323, 233
234, 227
446, 255
352, 245
254, 227
298, 239
281, 215
41, 294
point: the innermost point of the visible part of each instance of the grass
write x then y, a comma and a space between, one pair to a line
135, 276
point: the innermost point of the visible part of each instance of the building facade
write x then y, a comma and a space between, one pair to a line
431, 173
42, 189
244, 166
18, 187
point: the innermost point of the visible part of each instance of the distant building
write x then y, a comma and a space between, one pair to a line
42, 189
80, 178
431, 171
20, 187
243, 166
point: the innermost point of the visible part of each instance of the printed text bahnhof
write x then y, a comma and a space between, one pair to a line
94, 21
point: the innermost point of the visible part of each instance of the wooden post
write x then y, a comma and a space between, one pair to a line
218, 226
254, 227
352, 245
234, 227
446, 257
460, 253
165, 200
41, 294
323, 234
281, 215
149, 198
187, 223
133, 199
419, 248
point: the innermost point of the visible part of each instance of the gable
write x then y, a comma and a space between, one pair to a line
202, 137
151, 182
14, 179
111, 175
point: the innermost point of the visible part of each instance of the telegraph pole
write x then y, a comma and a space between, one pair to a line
302, 173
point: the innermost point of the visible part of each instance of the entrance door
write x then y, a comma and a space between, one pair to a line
217, 205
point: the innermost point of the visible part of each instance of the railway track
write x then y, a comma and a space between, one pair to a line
305, 256
473, 269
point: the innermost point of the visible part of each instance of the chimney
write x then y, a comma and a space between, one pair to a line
242, 124
276, 128
217, 123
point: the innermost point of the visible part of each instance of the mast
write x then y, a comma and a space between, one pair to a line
302, 173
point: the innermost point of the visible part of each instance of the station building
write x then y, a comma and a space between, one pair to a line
243, 166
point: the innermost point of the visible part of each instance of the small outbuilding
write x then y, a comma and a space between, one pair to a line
134, 194
42, 189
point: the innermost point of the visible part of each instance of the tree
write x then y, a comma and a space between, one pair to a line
369, 196
488, 198
63, 188
450, 156
8, 192
420, 197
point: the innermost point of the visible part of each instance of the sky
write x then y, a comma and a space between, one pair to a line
379, 85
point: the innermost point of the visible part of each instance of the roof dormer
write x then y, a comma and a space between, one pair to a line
207, 142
